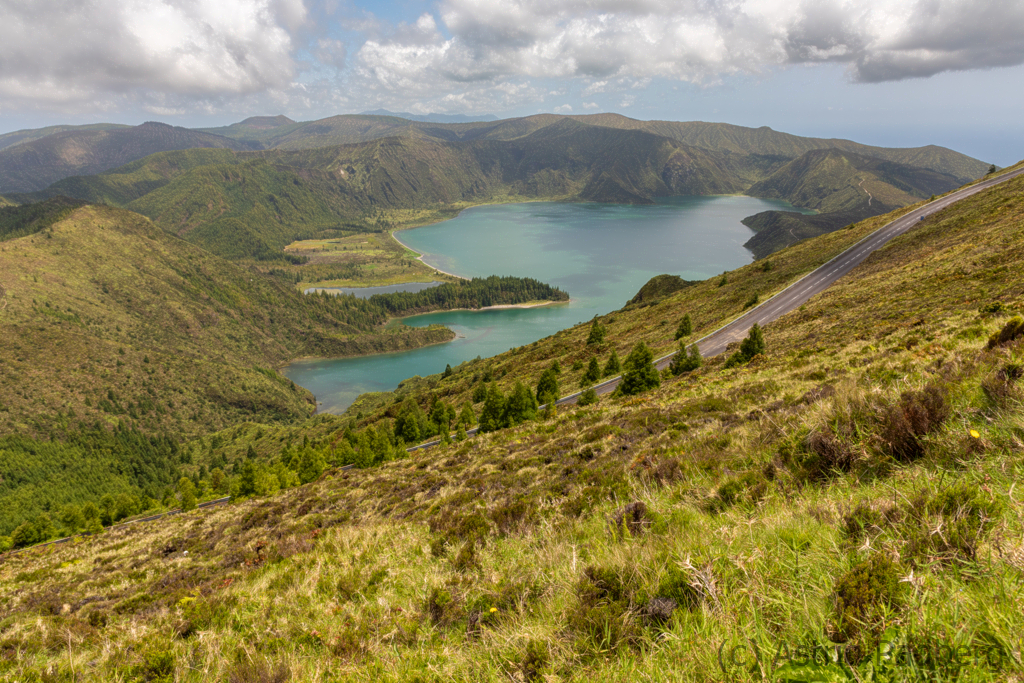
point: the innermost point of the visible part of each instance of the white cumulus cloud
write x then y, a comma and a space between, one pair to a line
614, 45
75, 51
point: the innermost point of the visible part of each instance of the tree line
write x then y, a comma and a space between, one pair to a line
475, 293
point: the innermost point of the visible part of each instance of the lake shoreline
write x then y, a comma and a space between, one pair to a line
496, 307
603, 254
420, 257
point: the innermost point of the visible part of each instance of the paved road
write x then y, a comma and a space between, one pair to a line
803, 289
814, 282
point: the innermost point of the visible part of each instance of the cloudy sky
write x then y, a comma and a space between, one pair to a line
901, 73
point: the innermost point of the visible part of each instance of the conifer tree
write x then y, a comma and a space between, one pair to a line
685, 361
520, 406
613, 365
588, 397
439, 416
493, 410
247, 479
754, 343
639, 373
750, 347
592, 374
311, 465
685, 328
596, 335
467, 417
187, 494
547, 387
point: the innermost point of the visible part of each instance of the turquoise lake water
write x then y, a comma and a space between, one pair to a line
601, 254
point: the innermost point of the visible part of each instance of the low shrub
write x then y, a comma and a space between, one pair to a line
1012, 330
1000, 387
602, 619
535, 660
950, 525
249, 669
864, 597
862, 521
918, 413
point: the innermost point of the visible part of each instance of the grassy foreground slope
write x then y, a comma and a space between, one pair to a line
106, 317
854, 485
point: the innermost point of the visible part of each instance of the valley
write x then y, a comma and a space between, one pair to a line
729, 493
157, 339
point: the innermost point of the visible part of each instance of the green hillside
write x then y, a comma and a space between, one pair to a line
851, 487
772, 148
394, 172
253, 204
31, 134
106, 317
842, 187
779, 229
833, 180
120, 186
35, 165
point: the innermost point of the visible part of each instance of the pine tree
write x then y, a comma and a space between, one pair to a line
247, 479
447, 371
467, 417
750, 347
187, 494
639, 372
547, 387
44, 528
493, 410
588, 397
311, 465
754, 343
520, 406
613, 366
685, 361
592, 374
409, 423
685, 328
596, 335
439, 416
24, 535
71, 519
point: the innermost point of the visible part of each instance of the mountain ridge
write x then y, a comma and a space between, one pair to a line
35, 165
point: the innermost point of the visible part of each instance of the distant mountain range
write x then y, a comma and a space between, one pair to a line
39, 162
248, 189
431, 118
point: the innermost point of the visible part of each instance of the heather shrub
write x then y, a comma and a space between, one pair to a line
917, 414
863, 599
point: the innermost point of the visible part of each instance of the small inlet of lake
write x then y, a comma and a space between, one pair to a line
601, 254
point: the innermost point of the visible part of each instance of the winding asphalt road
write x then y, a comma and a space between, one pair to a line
795, 295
